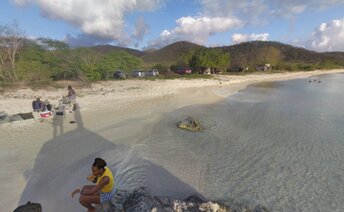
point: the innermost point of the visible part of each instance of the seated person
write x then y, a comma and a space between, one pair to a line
47, 104
38, 105
100, 193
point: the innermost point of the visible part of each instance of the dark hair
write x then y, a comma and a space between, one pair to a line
69, 87
99, 163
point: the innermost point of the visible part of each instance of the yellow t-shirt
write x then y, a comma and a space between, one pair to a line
109, 186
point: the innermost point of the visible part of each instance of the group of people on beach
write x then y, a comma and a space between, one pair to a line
101, 176
38, 105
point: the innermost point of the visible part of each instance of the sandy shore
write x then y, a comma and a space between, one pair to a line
105, 109
124, 94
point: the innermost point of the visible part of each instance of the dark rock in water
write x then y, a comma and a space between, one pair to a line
29, 207
260, 208
137, 200
140, 200
194, 198
189, 124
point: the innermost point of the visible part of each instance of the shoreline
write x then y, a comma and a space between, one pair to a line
119, 111
129, 91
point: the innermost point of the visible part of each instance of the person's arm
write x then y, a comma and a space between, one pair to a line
92, 178
97, 188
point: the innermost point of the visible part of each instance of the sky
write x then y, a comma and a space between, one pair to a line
143, 24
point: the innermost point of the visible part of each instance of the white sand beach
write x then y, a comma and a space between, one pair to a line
48, 158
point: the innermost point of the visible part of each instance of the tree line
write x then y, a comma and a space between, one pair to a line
23, 59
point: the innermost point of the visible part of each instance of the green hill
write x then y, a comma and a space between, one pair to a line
282, 56
105, 49
53, 60
169, 54
248, 54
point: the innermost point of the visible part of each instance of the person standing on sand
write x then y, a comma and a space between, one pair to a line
101, 192
72, 96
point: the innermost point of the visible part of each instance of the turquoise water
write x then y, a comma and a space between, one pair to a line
276, 144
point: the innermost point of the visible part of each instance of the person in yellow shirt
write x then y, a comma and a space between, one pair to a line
101, 192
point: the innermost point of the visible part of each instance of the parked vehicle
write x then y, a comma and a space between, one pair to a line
138, 73
184, 71
152, 73
119, 75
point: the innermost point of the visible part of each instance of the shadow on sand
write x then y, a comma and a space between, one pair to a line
63, 163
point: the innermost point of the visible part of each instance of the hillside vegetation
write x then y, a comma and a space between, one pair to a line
281, 56
168, 55
46, 60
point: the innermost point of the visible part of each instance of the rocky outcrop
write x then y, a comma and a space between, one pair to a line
189, 124
140, 200
4, 118
29, 207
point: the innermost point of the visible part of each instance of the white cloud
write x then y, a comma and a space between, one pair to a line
251, 12
141, 29
260, 12
328, 37
85, 40
245, 9
195, 29
104, 19
239, 38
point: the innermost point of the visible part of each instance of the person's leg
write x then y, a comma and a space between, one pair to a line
88, 187
73, 101
88, 200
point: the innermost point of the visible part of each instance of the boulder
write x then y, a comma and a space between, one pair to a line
139, 200
29, 207
3, 116
189, 124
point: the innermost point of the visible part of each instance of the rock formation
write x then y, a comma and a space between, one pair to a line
189, 124
140, 200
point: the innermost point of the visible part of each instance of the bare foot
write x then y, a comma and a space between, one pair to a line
75, 192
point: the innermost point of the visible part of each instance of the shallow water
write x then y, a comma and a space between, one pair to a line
276, 144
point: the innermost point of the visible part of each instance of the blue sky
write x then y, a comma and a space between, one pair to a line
313, 24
